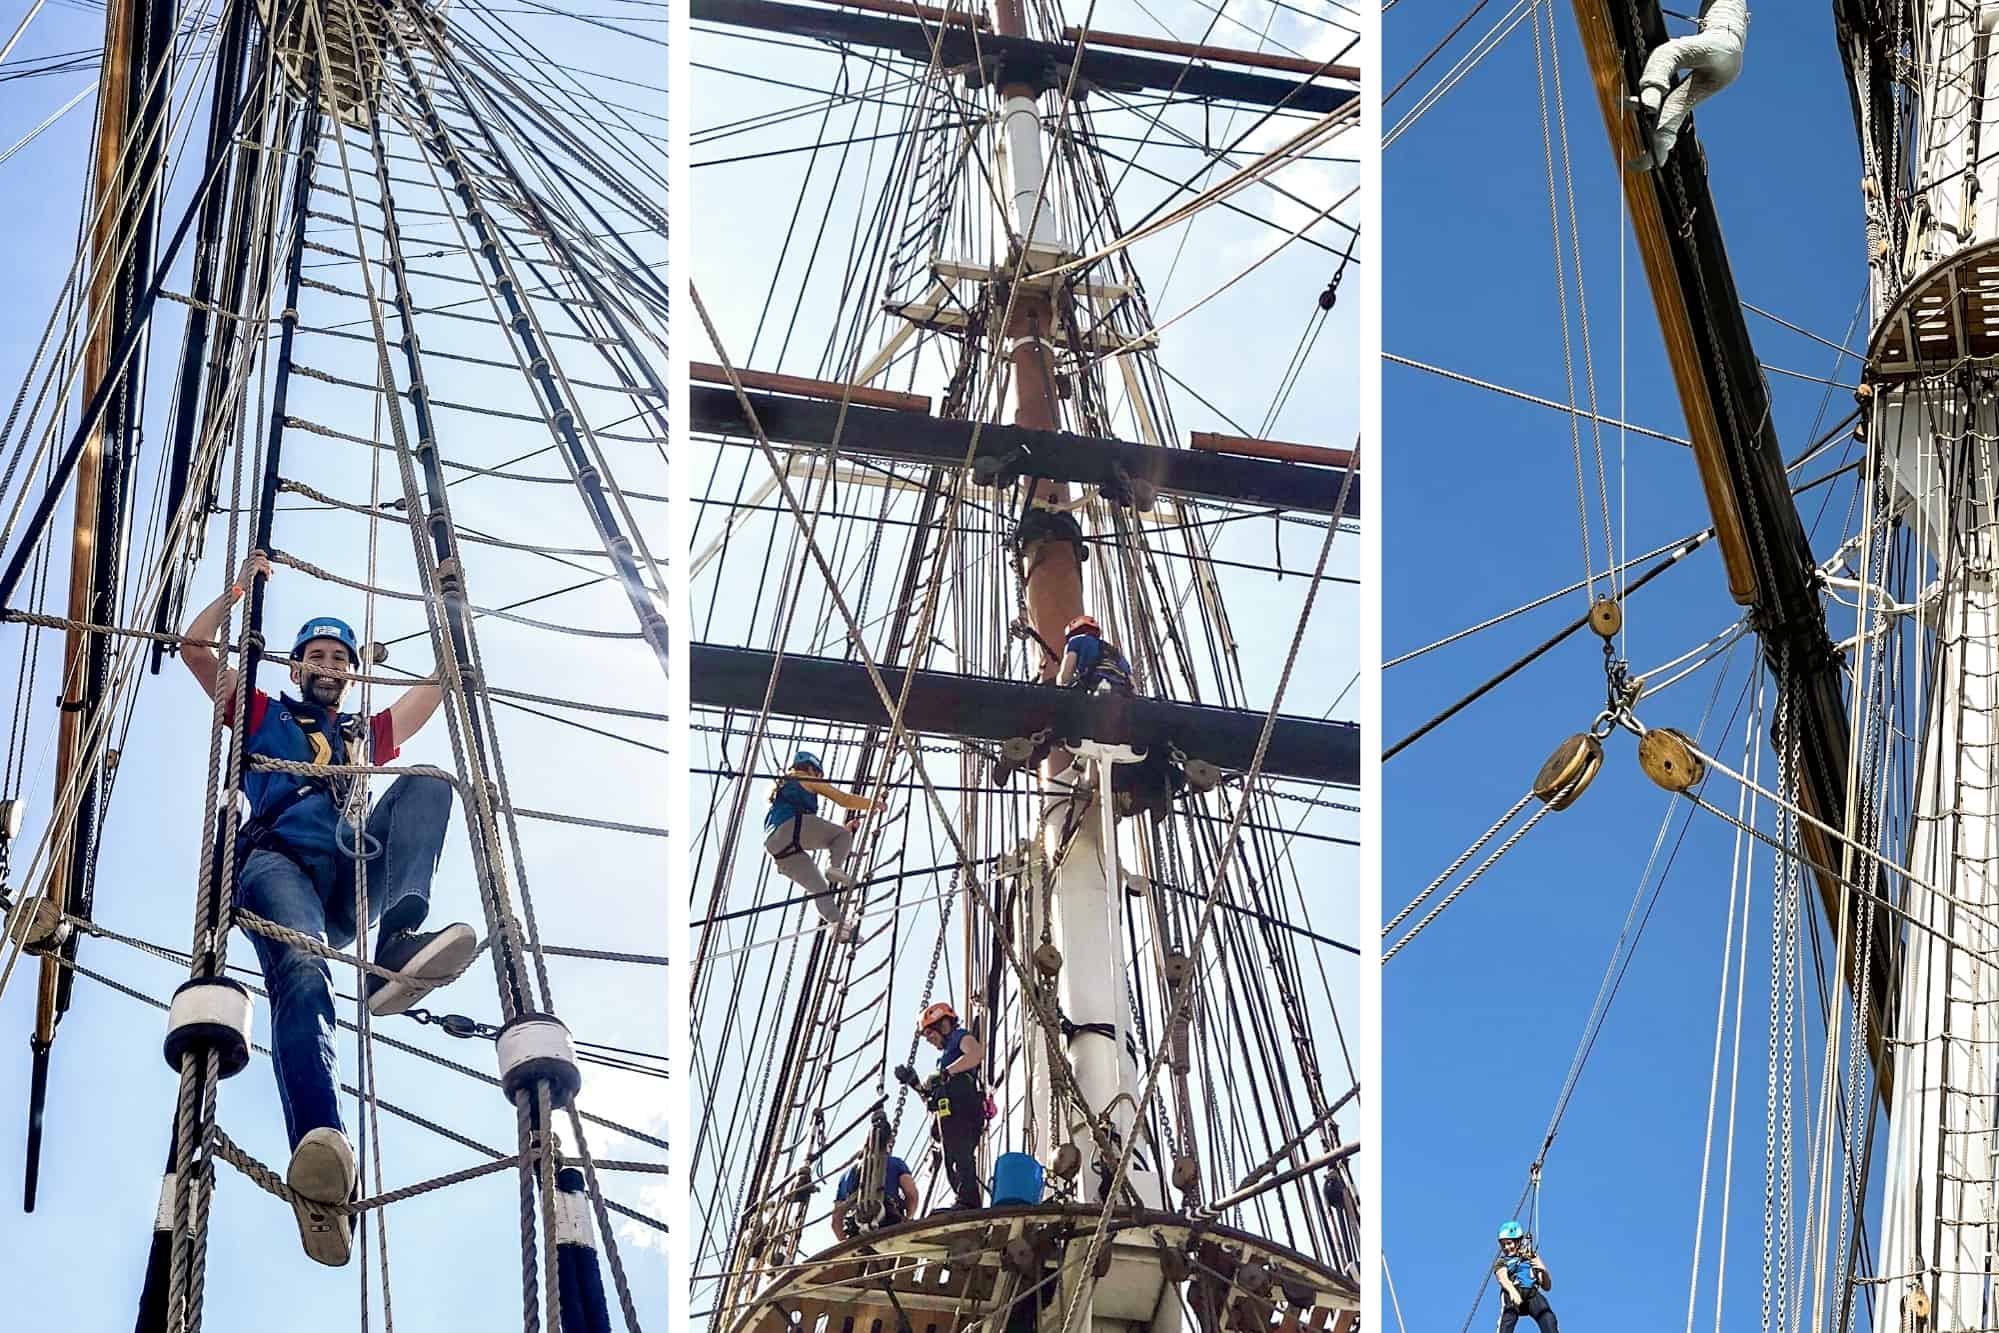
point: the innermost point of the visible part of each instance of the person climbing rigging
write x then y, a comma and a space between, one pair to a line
1090, 662
1523, 1281
296, 863
793, 830
1712, 58
899, 1198
955, 1097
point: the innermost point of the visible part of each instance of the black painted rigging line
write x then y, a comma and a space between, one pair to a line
114, 381
1693, 544
1690, 545
1264, 918
570, 141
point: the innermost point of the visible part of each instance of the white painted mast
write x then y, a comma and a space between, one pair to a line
1940, 1217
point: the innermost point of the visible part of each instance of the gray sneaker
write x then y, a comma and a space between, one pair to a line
428, 961
322, 1173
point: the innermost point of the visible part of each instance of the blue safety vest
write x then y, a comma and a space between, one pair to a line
301, 732
1522, 1274
1096, 660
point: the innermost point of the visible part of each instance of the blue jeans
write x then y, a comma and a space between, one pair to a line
314, 895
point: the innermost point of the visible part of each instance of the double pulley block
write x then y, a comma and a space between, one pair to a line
1667, 755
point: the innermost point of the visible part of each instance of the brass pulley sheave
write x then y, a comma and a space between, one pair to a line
1569, 771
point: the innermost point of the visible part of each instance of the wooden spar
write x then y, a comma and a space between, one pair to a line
1209, 442
1001, 453
111, 221
707, 372
1765, 549
930, 13
1225, 55
1682, 350
943, 703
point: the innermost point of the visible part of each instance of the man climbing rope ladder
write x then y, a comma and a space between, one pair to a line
1712, 58
297, 858
1523, 1281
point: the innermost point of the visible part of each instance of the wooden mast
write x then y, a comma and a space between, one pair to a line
107, 182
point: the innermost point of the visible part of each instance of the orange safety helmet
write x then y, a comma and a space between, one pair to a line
1082, 623
934, 1013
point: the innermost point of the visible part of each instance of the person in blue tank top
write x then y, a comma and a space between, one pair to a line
1091, 663
899, 1198
1523, 1281
296, 861
793, 830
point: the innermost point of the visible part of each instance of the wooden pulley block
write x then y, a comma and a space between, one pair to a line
1202, 775
1068, 1161
1668, 758
1606, 617
39, 928
1186, 1173
1917, 1302
1569, 771
1047, 960
1019, 1256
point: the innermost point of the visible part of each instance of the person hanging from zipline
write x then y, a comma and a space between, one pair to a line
297, 857
1523, 1281
956, 1098
1712, 58
793, 831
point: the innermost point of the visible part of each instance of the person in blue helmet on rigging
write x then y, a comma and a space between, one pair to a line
793, 831
296, 859
1523, 1281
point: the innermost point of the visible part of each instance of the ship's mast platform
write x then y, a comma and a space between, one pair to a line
986, 1270
1947, 316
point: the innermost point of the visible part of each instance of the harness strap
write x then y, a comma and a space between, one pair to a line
796, 847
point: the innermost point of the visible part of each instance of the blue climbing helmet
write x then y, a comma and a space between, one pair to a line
1511, 1231
807, 759
326, 627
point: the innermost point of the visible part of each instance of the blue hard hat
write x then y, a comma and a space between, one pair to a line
326, 627
1511, 1231
807, 759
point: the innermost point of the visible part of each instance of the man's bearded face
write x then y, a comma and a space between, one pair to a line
322, 671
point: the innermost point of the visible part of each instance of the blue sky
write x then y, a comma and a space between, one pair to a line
1483, 1012
111, 1093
